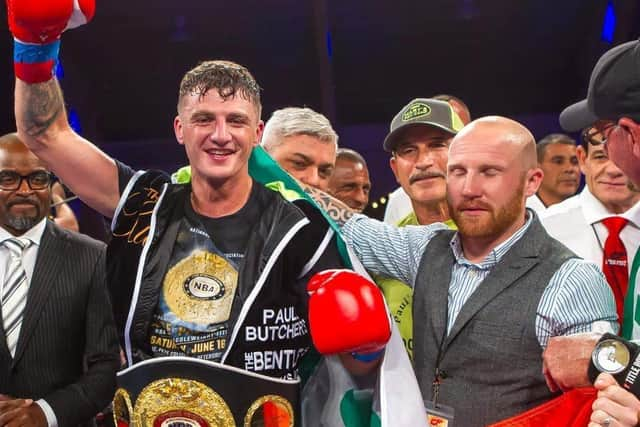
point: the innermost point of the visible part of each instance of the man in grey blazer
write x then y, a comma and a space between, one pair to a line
488, 297
58, 344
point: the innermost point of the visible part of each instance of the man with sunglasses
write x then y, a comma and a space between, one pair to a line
55, 310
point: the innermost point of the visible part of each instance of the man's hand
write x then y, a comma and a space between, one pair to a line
614, 406
337, 210
565, 361
21, 412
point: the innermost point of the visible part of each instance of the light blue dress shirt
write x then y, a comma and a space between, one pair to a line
577, 298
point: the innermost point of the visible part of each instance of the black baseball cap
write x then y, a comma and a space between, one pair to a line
614, 90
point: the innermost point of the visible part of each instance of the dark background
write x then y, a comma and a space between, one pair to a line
356, 61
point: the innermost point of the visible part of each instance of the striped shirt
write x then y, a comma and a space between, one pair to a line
577, 298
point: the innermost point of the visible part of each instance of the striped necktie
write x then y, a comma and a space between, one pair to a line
14, 293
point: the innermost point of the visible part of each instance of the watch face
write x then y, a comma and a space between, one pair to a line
611, 356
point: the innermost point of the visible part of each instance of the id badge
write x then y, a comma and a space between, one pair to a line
439, 415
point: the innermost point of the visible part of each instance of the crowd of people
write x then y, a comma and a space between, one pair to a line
253, 271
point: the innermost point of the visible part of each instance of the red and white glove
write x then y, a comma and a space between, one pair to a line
347, 314
36, 26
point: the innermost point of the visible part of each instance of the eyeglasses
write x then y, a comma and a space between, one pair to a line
598, 133
10, 180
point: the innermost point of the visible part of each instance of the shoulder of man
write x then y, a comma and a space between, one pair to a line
153, 178
143, 190
75, 238
561, 209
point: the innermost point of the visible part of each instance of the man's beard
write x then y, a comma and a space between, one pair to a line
24, 223
495, 223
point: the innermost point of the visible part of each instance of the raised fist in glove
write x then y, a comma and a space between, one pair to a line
347, 313
36, 26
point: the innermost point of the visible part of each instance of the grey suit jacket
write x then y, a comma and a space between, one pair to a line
67, 352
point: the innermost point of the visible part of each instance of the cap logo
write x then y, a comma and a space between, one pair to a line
415, 111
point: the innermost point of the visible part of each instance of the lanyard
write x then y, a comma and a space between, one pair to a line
439, 374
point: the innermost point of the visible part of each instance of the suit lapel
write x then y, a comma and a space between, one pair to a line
521, 258
3, 337
437, 296
47, 268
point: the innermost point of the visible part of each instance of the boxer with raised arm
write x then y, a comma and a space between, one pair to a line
196, 269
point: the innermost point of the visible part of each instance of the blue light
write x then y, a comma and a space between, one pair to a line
59, 70
609, 25
467, 10
329, 45
74, 121
72, 115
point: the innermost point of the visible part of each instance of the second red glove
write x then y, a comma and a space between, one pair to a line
347, 313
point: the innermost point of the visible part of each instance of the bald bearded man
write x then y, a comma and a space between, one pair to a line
489, 296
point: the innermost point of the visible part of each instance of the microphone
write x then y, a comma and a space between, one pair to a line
618, 357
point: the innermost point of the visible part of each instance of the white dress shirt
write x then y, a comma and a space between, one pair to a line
34, 235
398, 206
30, 253
535, 204
577, 223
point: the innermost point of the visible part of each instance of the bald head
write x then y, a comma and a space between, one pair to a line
492, 169
10, 139
12, 147
504, 133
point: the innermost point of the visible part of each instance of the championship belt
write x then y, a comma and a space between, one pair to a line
189, 392
618, 357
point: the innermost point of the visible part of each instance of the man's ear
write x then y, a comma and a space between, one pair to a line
177, 129
394, 167
534, 179
259, 132
581, 154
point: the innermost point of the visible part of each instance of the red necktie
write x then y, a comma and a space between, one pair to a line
614, 261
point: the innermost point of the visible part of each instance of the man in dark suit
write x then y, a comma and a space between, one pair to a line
58, 344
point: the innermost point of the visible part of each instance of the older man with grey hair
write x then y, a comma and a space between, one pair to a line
303, 142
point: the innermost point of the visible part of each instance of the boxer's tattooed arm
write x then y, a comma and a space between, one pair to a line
338, 211
43, 106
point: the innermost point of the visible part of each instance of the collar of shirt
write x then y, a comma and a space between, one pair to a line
497, 253
412, 219
633, 215
595, 212
34, 234
534, 202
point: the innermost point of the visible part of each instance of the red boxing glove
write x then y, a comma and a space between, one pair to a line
36, 26
347, 313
